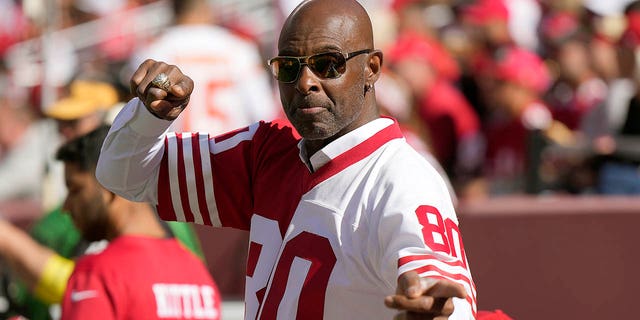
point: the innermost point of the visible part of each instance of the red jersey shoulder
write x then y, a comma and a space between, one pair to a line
128, 248
277, 137
276, 132
282, 130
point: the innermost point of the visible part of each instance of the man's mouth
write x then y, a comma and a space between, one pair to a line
310, 110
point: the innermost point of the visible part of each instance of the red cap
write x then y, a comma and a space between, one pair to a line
411, 45
559, 26
525, 68
484, 11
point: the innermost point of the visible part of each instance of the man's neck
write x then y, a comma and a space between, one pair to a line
141, 221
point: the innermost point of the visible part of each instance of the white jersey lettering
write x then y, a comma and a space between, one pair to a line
186, 301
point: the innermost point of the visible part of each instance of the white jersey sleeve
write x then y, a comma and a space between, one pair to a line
131, 153
418, 229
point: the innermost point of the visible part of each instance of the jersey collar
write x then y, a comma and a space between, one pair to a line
346, 143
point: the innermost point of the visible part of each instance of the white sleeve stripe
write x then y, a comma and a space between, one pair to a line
203, 140
190, 177
233, 141
174, 184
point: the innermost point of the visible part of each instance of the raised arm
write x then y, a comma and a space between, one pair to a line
133, 149
44, 271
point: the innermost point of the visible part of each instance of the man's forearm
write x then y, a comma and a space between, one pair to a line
25, 256
132, 152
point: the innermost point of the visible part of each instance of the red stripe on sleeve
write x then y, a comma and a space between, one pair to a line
165, 205
454, 276
197, 166
182, 180
404, 260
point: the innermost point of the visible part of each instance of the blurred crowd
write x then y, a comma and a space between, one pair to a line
505, 96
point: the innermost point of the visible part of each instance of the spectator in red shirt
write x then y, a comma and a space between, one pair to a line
576, 99
519, 79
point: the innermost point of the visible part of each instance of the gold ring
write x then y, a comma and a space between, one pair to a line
161, 81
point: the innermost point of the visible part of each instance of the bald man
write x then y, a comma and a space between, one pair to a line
346, 221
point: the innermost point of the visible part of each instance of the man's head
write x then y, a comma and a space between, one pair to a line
325, 99
87, 201
83, 108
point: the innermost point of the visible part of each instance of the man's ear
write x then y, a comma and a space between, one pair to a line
374, 67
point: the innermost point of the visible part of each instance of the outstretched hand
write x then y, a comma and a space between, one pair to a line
165, 103
424, 298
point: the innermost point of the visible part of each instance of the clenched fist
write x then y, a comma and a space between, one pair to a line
165, 103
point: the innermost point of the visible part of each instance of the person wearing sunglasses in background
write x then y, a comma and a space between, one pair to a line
346, 221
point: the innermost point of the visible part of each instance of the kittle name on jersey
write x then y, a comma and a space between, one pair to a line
187, 301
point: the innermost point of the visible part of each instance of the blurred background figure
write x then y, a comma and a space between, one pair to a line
217, 60
519, 78
578, 94
158, 270
88, 102
442, 114
619, 161
85, 104
26, 141
84, 107
486, 24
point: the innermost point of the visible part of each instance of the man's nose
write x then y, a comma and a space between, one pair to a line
307, 81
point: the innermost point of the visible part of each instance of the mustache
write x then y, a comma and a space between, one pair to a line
309, 101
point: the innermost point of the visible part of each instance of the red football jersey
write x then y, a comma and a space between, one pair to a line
141, 278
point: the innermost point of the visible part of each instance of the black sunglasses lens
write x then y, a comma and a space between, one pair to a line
328, 65
285, 69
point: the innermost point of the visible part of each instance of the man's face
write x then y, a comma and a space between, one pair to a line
71, 129
86, 203
324, 109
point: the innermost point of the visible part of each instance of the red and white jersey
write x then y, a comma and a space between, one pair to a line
328, 237
141, 278
231, 82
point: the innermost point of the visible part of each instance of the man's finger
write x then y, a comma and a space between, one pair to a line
443, 288
182, 88
439, 306
409, 284
420, 304
139, 75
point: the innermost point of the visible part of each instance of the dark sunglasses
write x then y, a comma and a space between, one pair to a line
328, 65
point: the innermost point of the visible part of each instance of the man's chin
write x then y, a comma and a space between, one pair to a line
315, 132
